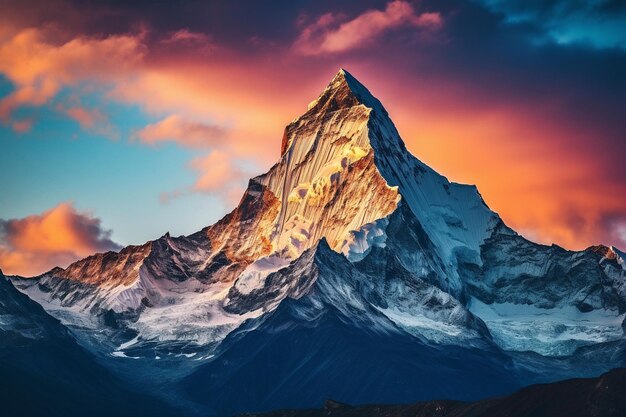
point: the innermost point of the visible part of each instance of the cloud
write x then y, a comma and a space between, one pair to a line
598, 23
217, 175
89, 119
200, 42
620, 234
185, 36
86, 118
57, 237
22, 126
186, 133
330, 33
39, 69
216, 171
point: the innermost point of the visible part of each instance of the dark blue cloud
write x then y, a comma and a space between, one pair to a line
600, 23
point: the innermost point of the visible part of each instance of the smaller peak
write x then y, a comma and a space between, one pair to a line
166, 236
333, 405
322, 245
619, 253
602, 250
608, 252
54, 271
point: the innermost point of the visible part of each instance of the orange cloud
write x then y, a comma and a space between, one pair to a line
184, 132
39, 69
57, 237
330, 34
167, 84
218, 175
22, 126
87, 118
217, 172
220, 91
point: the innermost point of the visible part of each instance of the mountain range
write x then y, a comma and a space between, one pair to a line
350, 270
596, 397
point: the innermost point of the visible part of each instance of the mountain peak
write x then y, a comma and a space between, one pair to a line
344, 94
343, 91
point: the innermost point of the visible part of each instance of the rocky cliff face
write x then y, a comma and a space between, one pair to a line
415, 253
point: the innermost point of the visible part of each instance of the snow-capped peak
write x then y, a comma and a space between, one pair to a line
620, 257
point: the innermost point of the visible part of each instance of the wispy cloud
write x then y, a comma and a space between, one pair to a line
332, 33
89, 119
22, 125
175, 128
218, 174
40, 69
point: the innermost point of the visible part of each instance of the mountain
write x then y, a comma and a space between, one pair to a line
350, 270
591, 397
44, 372
328, 338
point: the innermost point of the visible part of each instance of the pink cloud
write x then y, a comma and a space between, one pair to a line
217, 175
167, 83
184, 132
182, 40
39, 69
185, 36
22, 126
87, 118
56, 237
90, 119
217, 171
331, 34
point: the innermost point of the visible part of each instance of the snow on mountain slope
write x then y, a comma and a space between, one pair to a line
425, 254
544, 298
330, 334
326, 178
620, 256
44, 372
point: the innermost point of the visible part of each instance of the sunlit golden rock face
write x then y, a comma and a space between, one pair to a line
326, 178
110, 268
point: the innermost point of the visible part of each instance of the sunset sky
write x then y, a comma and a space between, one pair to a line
120, 122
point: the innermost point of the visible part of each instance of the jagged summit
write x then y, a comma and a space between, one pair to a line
344, 97
344, 91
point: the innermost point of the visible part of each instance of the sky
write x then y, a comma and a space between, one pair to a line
121, 121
